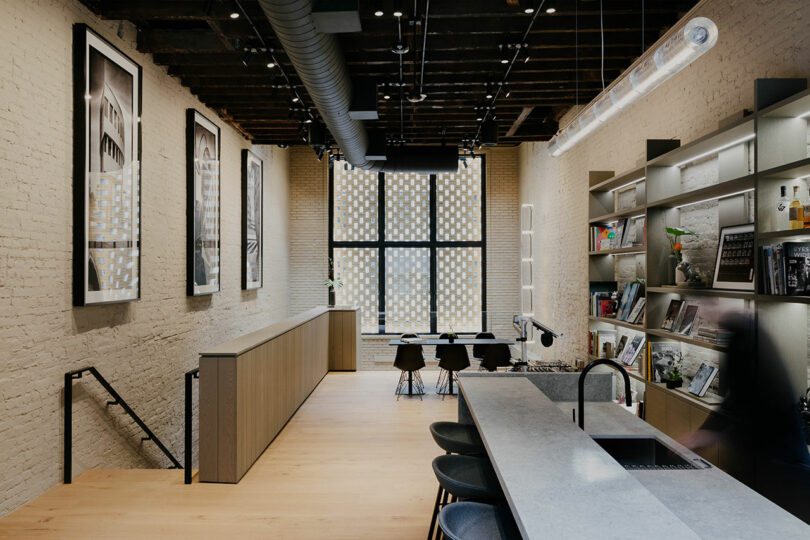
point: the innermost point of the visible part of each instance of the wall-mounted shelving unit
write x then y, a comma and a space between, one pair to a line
729, 177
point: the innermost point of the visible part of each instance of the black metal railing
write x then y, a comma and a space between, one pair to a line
117, 400
190, 376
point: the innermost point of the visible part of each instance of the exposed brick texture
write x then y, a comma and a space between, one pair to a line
142, 348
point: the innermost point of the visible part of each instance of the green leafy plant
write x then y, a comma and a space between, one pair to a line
675, 375
335, 283
673, 235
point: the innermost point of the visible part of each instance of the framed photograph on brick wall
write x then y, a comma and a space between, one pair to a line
252, 220
202, 205
106, 172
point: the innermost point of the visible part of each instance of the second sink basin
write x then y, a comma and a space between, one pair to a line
646, 453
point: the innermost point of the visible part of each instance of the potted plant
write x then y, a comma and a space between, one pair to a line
676, 256
451, 335
333, 282
674, 378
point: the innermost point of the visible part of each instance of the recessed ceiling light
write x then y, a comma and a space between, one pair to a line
378, 13
295, 99
551, 10
270, 65
528, 10
234, 15
504, 61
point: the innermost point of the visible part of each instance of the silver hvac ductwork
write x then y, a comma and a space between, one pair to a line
319, 62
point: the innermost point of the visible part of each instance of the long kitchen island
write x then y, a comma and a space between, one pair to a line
560, 483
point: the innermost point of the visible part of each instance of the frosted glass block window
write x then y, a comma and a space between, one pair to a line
355, 204
407, 290
358, 269
407, 207
458, 204
458, 289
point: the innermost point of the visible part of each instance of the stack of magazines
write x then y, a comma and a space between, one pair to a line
718, 336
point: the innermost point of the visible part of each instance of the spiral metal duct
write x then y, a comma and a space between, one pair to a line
319, 62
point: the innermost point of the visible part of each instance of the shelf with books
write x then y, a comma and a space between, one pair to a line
634, 212
708, 402
685, 339
736, 133
704, 291
783, 298
787, 234
617, 322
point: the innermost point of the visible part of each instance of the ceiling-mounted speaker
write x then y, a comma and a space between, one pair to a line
489, 133
336, 16
364, 100
316, 135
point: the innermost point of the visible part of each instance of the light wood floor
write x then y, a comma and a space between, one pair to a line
352, 463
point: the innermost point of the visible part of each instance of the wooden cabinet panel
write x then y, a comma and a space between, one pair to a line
344, 334
696, 419
655, 408
678, 417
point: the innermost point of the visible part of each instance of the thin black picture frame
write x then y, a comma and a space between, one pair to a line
84, 38
192, 116
247, 156
736, 285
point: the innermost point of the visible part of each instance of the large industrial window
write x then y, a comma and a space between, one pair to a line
410, 249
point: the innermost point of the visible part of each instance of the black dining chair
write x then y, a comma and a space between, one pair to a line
496, 356
409, 360
479, 350
452, 359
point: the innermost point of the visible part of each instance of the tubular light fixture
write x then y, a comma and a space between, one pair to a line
630, 183
804, 115
715, 198
715, 150
684, 46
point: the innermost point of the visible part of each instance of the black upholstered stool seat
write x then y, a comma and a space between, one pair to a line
477, 521
457, 438
467, 477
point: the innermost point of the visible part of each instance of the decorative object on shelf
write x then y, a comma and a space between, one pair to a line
632, 350
106, 172
702, 380
252, 220
718, 336
689, 275
676, 247
734, 267
664, 357
451, 336
332, 282
672, 316
203, 204
674, 378
796, 211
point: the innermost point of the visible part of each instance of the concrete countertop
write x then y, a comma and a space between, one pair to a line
560, 484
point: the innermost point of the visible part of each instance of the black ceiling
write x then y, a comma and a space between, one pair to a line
203, 46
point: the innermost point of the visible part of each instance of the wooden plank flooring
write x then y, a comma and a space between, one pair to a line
352, 463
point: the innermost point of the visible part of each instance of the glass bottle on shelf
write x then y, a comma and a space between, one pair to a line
782, 214
806, 208
796, 211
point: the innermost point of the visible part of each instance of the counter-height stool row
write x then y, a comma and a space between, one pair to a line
476, 508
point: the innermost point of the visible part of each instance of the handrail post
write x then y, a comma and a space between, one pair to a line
68, 406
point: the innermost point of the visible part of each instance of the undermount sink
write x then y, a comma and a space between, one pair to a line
647, 453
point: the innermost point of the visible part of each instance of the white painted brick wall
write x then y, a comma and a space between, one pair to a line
758, 38
309, 243
142, 348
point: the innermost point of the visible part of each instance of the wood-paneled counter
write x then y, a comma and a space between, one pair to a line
252, 385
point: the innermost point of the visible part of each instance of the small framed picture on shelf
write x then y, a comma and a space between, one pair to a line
687, 322
672, 316
734, 267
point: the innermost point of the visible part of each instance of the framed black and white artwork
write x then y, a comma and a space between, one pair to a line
202, 206
734, 266
252, 220
106, 172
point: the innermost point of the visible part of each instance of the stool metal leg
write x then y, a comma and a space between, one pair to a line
435, 516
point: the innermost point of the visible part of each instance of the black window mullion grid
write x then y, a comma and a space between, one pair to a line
433, 244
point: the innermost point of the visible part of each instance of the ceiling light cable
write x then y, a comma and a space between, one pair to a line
424, 45
602, 36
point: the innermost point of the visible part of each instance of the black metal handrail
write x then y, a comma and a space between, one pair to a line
117, 400
190, 376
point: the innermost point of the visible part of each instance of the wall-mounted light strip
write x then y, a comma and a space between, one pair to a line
528, 286
716, 150
526, 232
716, 198
680, 49
636, 181
638, 216
804, 115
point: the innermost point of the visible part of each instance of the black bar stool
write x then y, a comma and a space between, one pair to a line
456, 438
452, 359
496, 356
479, 350
477, 521
409, 360
463, 477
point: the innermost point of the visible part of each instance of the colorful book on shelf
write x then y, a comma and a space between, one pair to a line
702, 380
637, 312
664, 357
604, 338
632, 350
618, 232
620, 346
626, 304
687, 320
797, 268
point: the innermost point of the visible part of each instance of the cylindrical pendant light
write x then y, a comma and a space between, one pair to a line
684, 46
